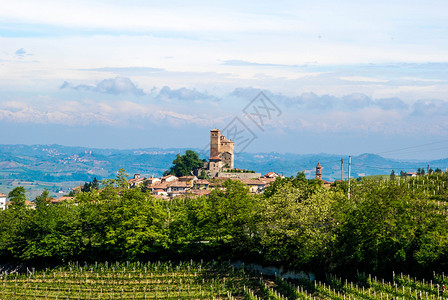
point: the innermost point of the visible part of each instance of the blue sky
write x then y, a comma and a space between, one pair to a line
348, 77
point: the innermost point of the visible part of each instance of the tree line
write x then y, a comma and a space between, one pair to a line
297, 223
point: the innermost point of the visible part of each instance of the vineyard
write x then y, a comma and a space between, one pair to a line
399, 224
200, 280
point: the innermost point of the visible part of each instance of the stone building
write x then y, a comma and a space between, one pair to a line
222, 157
221, 149
221, 153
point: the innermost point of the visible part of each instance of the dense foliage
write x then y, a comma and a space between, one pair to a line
185, 164
396, 225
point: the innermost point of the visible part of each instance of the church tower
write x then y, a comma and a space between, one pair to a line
319, 171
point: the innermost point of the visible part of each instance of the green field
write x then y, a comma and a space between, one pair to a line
199, 280
34, 188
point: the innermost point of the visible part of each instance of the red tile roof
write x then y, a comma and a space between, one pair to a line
270, 175
178, 184
60, 199
159, 185
135, 180
252, 181
187, 177
199, 192
202, 181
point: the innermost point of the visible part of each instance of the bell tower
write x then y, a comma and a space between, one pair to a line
319, 171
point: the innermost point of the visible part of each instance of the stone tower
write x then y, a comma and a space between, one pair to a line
226, 152
221, 152
319, 171
215, 138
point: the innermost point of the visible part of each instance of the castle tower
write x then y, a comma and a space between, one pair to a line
319, 171
215, 143
226, 152
221, 153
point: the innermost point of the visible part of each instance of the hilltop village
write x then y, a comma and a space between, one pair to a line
219, 167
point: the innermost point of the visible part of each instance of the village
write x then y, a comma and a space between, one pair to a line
219, 167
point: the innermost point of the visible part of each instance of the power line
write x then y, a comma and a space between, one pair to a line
412, 147
425, 150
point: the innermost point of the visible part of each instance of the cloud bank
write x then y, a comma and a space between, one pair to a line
115, 86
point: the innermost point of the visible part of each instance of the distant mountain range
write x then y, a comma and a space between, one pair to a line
55, 163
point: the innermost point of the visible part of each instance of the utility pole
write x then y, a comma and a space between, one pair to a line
427, 181
349, 165
342, 169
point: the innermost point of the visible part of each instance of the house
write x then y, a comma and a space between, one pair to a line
158, 186
173, 194
61, 200
136, 181
177, 186
152, 180
169, 178
271, 175
77, 189
256, 185
411, 174
30, 205
201, 184
327, 184
3, 201
188, 179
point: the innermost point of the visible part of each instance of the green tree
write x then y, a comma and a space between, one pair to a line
203, 175
392, 175
134, 225
17, 197
108, 183
86, 187
95, 184
183, 165
421, 171
54, 234
122, 178
42, 200
298, 222
13, 226
228, 220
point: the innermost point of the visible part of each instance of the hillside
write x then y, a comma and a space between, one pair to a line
57, 164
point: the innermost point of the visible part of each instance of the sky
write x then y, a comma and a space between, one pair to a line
341, 77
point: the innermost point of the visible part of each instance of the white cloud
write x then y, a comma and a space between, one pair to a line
116, 86
362, 79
